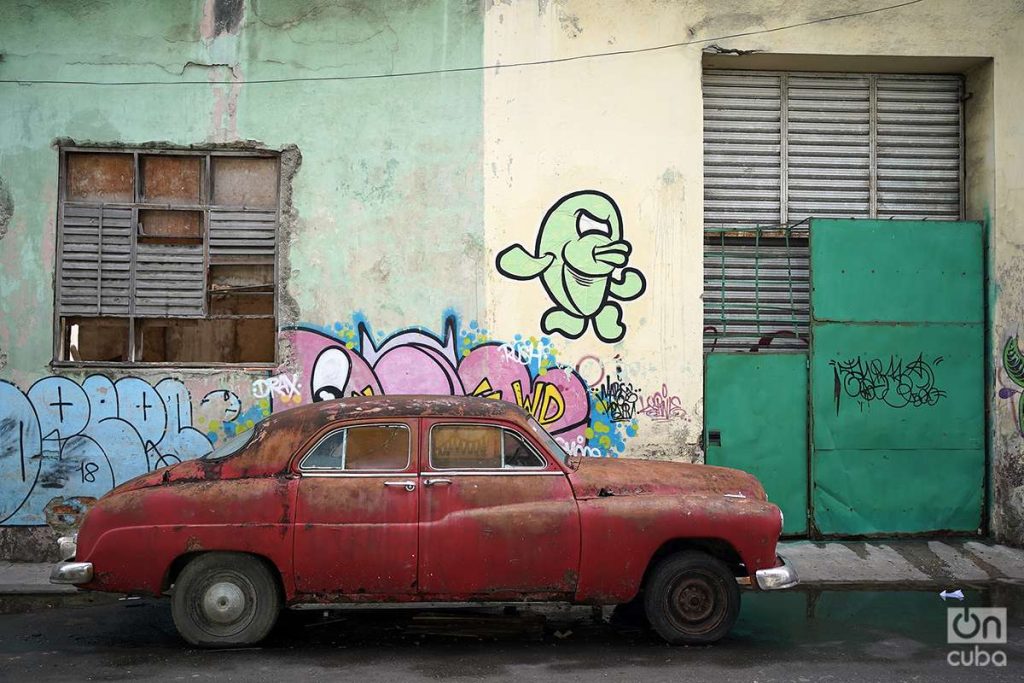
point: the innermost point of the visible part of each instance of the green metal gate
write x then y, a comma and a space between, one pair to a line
897, 377
755, 418
893, 383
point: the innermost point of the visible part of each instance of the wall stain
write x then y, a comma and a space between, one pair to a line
6, 209
227, 15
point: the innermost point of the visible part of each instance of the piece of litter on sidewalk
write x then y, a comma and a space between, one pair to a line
956, 595
563, 634
130, 597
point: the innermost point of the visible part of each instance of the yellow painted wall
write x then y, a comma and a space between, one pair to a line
630, 125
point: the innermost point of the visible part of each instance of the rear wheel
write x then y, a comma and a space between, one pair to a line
692, 598
225, 599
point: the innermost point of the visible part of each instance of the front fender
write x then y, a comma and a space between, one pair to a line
620, 535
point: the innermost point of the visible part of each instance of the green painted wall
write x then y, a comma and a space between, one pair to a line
388, 165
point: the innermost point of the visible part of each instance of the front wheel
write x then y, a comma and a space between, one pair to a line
225, 599
692, 598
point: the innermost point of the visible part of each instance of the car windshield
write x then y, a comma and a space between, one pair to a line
231, 446
549, 441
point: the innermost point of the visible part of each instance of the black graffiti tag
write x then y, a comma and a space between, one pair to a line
88, 470
619, 398
894, 383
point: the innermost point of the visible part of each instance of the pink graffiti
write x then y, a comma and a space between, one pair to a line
662, 406
418, 362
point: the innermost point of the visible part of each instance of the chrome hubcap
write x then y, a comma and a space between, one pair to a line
223, 603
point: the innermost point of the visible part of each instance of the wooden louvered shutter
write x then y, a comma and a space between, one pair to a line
243, 232
95, 260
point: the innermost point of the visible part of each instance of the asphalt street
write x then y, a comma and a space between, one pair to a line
795, 636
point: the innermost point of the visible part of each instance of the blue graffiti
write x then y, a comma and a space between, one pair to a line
61, 438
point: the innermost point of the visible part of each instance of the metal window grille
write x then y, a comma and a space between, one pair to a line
781, 148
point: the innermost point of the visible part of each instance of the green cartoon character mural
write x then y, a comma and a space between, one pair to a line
579, 248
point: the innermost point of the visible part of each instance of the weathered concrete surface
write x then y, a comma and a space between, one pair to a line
830, 636
28, 544
29, 578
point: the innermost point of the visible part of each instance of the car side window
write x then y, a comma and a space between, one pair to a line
480, 447
363, 448
518, 454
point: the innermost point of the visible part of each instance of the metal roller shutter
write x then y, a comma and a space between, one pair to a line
781, 148
920, 147
742, 147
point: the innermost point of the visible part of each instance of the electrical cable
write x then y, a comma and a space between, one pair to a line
464, 69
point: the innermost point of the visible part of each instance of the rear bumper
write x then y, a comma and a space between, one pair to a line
778, 577
71, 572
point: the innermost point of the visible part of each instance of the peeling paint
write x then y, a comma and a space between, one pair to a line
65, 515
224, 113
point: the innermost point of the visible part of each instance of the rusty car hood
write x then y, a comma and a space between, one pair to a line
599, 477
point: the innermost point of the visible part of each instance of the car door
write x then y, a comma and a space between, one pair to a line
498, 519
356, 511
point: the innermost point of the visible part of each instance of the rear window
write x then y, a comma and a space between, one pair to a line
372, 447
231, 447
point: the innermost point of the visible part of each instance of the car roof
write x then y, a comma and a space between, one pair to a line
276, 438
385, 407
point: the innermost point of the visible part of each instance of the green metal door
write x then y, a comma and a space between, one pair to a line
897, 376
755, 419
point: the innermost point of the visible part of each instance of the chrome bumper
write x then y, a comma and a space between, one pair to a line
777, 578
71, 572
68, 546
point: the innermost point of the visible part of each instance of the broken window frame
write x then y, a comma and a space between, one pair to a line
206, 205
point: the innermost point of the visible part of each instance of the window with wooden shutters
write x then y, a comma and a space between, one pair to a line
781, 148
166, 256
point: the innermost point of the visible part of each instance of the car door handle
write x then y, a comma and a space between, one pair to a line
407, 485
437, 482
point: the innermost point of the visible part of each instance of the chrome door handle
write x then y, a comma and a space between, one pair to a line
437, 482
408, 485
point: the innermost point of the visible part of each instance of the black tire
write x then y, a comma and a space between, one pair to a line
224, 600
691, 598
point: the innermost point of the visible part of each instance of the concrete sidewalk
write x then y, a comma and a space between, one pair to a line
896, 564
917, 563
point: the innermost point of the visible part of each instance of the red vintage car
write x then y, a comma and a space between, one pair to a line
426, 499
